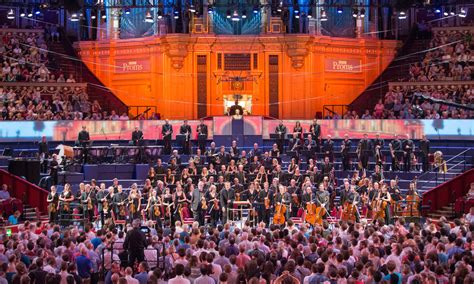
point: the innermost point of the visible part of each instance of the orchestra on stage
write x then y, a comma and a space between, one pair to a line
218, 185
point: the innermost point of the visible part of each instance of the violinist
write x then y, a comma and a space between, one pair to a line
101, 196
147, 188
345, 150
119, 205
198, 202
266, 197
88, 203
292, 166
284, 198
134, 202
53, 199
65, 199
192, 170
153, 208
214, 211
254, 166
168, 203
262, 176
181, 201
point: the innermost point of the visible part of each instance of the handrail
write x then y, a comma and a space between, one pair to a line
332, 111
430, 83
11, 30
45, 84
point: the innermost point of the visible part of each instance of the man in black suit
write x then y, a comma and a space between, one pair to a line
328, 148
281, 132
227, 197
84, 138
255, 151
233, 109
408, 148
43, 152
363, 150
53, 169
137, 137
196, 204
202, 135
424, 152
135, 243
185, 130
345, 150
315, 131
327, 167
167, 133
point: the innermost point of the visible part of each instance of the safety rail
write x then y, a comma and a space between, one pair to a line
332, 109
141, 110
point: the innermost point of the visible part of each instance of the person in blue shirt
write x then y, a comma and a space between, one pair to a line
14, 218
84, 265
392, 276
456, 249
142, 275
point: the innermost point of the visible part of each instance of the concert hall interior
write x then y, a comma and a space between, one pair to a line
236, 141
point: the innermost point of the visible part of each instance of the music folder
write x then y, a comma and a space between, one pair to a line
180, 137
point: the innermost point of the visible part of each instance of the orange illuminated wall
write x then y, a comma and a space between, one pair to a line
312, 71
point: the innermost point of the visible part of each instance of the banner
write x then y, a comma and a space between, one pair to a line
452, 129
343, 66
131, 65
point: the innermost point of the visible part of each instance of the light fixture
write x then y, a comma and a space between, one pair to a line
23, 13
127, 11
176, 14
324, 16
30, 13
296, 10
437, 10
256, 9
192, 9
160, 14
362, 13
37, 12
310, 13
279, 7
235, 16
228, 14
462, 13
297, 16
244, 14
103, 13
210, 9
445, 13
93, 17
74, 18
402, 15
149, 17
11, 15
339, 9
355, 12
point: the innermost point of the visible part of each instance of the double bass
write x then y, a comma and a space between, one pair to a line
279, 217
311, 208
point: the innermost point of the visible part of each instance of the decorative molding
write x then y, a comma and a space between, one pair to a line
297, 49
176, 47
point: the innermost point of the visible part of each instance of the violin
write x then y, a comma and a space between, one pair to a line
267, 201
156, 210
216, 204
279, 217
203, 203
122, 211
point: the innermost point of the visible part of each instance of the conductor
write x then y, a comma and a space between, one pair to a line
233, 109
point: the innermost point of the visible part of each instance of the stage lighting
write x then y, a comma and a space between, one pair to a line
296, 10
235, 16
279, 7
210, 10
93, 17
160, 14
324, 16
149, 17
37, 12
176, 14
462, 13
11, 15
256, 9
244, 14
402, 15
355, 12
437, 10
362, 13
339, 9
297, 16
74, 18
127, 11
192, 9
452, 12
228, 14
30, 13
23, 13
310, 14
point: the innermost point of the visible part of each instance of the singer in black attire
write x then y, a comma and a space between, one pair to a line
424, 152
43, 151
137, 137
84, 138
185, 129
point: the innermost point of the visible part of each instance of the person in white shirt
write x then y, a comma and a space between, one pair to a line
129, 276
179, 279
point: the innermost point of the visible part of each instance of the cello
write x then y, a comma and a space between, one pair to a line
349, 212
279, 217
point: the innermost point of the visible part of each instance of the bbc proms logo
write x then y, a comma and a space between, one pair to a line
343, 66
128, 66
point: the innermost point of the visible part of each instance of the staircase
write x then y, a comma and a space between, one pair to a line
446, 211
398, 70
63, 56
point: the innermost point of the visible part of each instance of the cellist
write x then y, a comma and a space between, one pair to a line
266, 197
322, 197
284, 198
354, 199
385, 196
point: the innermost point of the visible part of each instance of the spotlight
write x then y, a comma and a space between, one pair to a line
192, 9
228, 15
339, 9
93, 17
279, 7
452, 13
210, 10
30, 13
37, 12
437, 10
362, 13
256, 9
296, 10
74, 18
244, 14
148, 17
11, 15
104, 16
297, 16
176, 14
235, 16
324, 16
23, 13
462, 13
355, 12
402, 15
127, 11
160, 14
310, 14
445, 13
